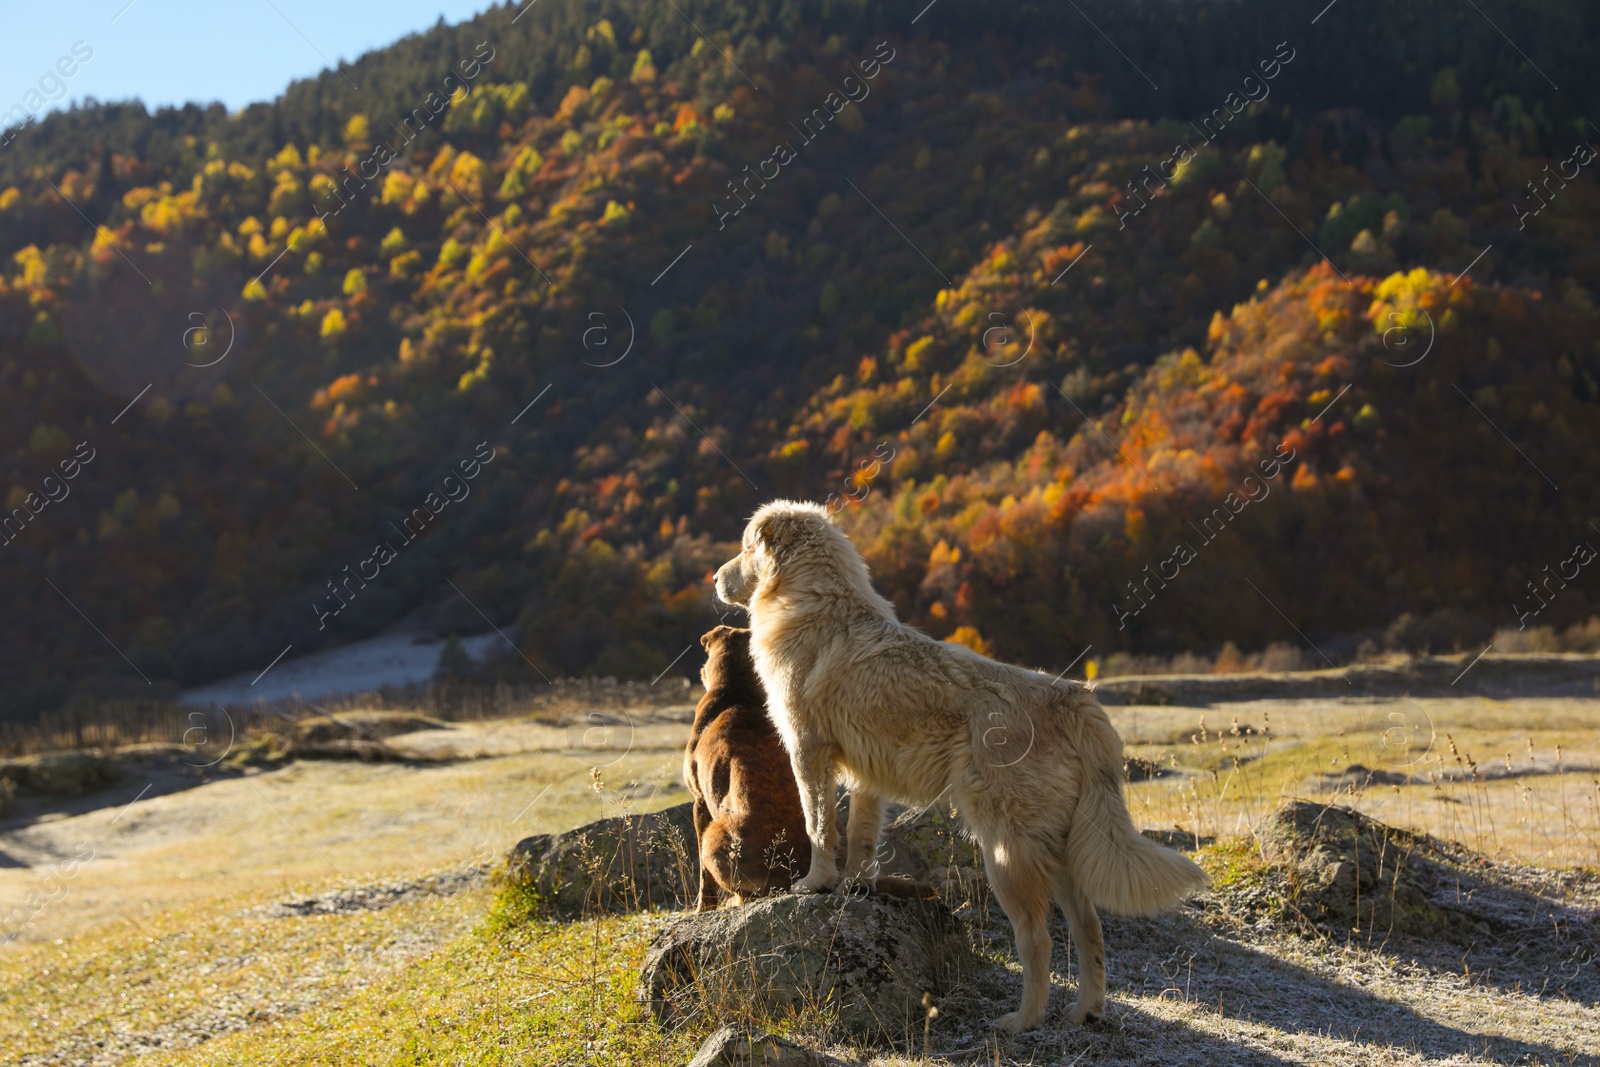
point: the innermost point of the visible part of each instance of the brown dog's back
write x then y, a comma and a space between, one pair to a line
748, 820
747, 814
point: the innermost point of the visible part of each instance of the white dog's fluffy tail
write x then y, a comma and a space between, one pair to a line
1119, 868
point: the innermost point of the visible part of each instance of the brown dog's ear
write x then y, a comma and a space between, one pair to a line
714, 636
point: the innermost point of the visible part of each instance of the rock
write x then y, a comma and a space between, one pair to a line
61, 774
1342, 875
1149, 693
628, 863
931, 845
1138, 769
363, 725
859, 963
351, 748
358, 735
1345, 872
378, 896
1357, 776
748, 1047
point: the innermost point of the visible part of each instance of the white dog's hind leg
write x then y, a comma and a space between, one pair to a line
861, 836
1021, 887
1085, 927
813, 773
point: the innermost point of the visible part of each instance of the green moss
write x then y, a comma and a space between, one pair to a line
1232, 864
516, 903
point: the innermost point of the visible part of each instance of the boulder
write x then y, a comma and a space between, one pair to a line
61, 774
363, 726
861, 964
627, 863
931, 845
752, 1047
1347, 873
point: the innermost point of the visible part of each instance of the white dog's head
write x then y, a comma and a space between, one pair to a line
793, 549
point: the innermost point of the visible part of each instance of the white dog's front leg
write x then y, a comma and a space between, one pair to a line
813, 773
861, 837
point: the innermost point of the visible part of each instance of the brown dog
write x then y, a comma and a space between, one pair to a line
747, 815
748, 821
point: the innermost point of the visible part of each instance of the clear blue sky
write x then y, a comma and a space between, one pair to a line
172, 51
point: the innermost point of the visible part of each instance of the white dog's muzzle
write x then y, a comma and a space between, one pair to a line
730, 584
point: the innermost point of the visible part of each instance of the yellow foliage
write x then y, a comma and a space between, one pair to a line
479, 374
288, 158
302, 238
970, 637
468, 174
333, 323
397, 187
915, 352
33, 267
167, 213
134, 199
1406, 300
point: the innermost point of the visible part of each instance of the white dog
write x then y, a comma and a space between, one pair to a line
1035, 768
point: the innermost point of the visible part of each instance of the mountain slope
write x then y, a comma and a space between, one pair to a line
828, 235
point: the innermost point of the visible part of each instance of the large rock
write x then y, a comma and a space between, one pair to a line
628, 863
61, 774
363, 726
733, 1046
928, 844
1347, 873
860, 964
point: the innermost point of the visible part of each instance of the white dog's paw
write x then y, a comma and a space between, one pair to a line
1014, 1022
1086, 1013
814, 883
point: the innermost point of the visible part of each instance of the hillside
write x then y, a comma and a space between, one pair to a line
514, 322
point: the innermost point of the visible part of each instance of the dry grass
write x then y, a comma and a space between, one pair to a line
310, 823
160, 945
1515, 780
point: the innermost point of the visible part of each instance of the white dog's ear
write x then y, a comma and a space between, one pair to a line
781, 531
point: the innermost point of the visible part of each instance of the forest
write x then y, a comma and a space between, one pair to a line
1135, 325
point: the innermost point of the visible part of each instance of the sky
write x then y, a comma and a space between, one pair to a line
169, 52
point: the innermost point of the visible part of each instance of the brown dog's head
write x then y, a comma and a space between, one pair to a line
728, 660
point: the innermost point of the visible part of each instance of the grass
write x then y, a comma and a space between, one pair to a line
546, 993
1514, 780
422, 982
161, 946
308, 824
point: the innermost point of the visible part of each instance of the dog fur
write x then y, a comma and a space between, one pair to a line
1034, 766
748, 823
747, 817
